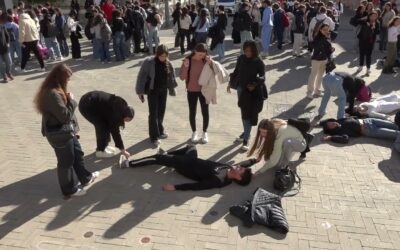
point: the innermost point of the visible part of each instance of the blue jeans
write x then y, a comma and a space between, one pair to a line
119, 46
220, 50
333, 86
52, 45
266, 38
104, 50
15, 48
246, 123
5, 64
201, 37
153, 37
381, 129
63, 47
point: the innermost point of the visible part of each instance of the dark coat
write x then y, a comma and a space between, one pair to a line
216, 32
351, 86
322, 48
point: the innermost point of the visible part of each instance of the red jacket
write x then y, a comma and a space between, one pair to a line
108, 9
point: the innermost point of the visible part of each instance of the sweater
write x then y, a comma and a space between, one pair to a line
285, 132
203, 29
108, 9
118, 25
192, 84
185, 22
210, 76
322, 48
28, 31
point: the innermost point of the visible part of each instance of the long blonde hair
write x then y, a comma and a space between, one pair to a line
265, 147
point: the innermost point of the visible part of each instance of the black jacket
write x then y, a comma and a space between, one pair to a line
4, 40
299, 23
322, 48
105, 110
262, 208
349, 127
216, 32
351, 86
242, 21
207, 174
367, 34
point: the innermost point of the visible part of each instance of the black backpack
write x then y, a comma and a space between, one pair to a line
89, 35
151, 18
285, 179
11, 34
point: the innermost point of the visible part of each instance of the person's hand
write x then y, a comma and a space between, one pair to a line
228, 89
70, 96
186, 63
250, 87
208, 60
326, 138
141, 97
125, 153
169, 187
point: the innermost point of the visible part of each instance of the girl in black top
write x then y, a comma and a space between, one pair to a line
366, 40
107, 112
248, 79
117, 27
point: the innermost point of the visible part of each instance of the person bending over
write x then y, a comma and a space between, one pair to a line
277, 140
341, 130
206, 174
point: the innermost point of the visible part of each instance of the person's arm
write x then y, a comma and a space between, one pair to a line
247, 163
171, 88
183, 73
116, 135
342, 139
57, 107
210, 183
142, 77
374, 114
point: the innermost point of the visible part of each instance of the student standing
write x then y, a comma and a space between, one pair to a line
107, 112
155, 79
217, 43
279, 26
243, 24
63, 32
60, 127
248, 79
49, 31
15, 46
393, 34
191, 69
366, 40
298, 30
267, 25
74, 36
117, 28
184, 24
386, 16
201, 25
153, 23
5, 59
102, 34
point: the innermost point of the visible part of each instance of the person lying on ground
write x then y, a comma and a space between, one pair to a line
278, 140
341, 130
207, 174
381, 107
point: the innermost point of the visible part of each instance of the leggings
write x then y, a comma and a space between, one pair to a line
365, 52
192, 100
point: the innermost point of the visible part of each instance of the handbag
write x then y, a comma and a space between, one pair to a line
285, 179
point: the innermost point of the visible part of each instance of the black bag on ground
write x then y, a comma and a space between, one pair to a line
284, 181
263, 208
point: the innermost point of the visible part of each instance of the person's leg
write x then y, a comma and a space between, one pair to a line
107, 51
84, 176
204, 111
320, 73
368, 56
266, 39
362, 54
136, 41
38, 56
341, 94
390, 57
65, 160
289, 148
192, 101
3, 67
49, 46
381, 38
325, 97
116, 47
381, 129
297, 44
162, 104
246, 130
7, 61
189, 151
177, 39
12, 51
168, 160
56, 47
150, 41
19, 50
182, 40
312, 77
157, 38
279, 34
152, 100
25, 55
187, 35
102, 135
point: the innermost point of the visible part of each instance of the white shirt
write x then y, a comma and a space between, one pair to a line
393, 32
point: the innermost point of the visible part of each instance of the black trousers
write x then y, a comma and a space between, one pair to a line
365, 53
70, 160
101, 127
177, 39
279, 37
75, 46
137, 37
193, 98
31, 46
184, 34
157, 101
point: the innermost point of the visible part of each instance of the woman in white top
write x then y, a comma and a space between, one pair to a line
74, 36
201, 24
380, 107
387, 15
393, 33
184, 31
276, 142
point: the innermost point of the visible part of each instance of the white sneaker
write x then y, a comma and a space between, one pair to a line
123, 162
310, 96
61, 59
163, 136
111, 149
194, 138
104, 154
19, 69
245, 147
156, 142
79, 192
204, 139
240, 138
94, 176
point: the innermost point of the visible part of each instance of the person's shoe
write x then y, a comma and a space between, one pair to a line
310, 96
156, 142
11, 77
161, 151
245, 146
194, 138
123, 162
60, 59
5, 80
318, 94
163, 136
204, 139
240, 138
42, 69
79, 192
359, 69
94, 176
368, 72
111, 149
104, 154
20, 70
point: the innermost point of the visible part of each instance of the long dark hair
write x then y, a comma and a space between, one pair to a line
203, 18
184, 12
253, 46
57, 79
161, 50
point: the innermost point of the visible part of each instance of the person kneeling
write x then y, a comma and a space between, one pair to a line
207, 174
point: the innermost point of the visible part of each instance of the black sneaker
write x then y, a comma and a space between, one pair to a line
163, 136
240, 138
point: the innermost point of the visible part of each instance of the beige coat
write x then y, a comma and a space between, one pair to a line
28, 31
210, 76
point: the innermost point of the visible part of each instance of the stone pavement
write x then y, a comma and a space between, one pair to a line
349, 197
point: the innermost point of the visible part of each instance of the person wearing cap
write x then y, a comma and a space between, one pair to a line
107, 112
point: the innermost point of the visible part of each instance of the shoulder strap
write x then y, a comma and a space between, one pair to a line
294, 191
188, 73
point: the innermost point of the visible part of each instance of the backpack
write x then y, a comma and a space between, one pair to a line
285, 179
52, 30
317, 27
285, 20
151, 18
105, 33
365, 94
11, 34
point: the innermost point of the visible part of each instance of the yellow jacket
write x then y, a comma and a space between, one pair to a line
28, 31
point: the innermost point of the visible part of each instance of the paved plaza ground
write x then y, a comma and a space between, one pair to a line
349, 198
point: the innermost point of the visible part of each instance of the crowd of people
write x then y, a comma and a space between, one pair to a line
310, 25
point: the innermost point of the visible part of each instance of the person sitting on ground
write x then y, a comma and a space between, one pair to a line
381, 107
107, 112
207, 174
277, 140
340, 130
